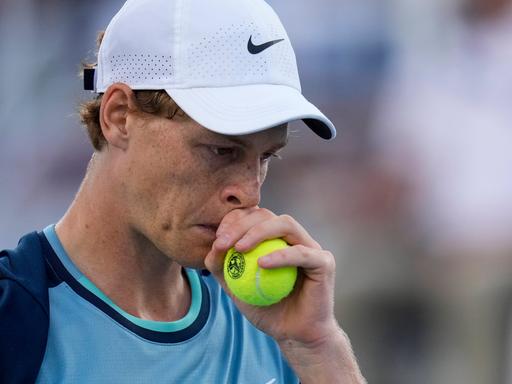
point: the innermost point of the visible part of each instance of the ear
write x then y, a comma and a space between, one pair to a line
116, 103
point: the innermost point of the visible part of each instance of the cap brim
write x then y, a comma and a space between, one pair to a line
247, 109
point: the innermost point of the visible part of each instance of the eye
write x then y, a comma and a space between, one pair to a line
222, 151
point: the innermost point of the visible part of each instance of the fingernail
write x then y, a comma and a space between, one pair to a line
242, 243
265, 261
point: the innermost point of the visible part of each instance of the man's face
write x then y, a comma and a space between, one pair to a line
182, 179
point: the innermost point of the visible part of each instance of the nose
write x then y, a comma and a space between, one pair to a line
243, 190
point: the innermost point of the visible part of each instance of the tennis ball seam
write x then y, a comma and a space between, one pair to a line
258, 286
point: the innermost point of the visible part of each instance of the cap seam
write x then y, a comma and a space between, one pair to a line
233, 85
178, 33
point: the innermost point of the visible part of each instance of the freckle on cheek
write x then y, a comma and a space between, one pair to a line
166, 226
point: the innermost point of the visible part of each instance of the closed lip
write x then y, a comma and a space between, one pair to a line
209, 227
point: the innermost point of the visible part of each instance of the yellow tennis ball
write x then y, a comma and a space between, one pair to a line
255, 285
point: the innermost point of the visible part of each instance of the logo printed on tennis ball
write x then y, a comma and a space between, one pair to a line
236, 265
255, 285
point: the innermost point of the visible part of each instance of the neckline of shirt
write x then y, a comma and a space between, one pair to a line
198, 289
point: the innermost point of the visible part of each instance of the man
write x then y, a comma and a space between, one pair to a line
193, 101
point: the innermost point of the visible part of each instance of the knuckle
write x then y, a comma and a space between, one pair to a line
266, 212
316, 245
280, 255
290, 221
297, 247
230, 218
234, 214
302, 249
287, 218
252, 233
329, 260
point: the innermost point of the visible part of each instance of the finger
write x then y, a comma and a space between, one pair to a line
237, 225
214, 261
312, 261
283, 226
234, 216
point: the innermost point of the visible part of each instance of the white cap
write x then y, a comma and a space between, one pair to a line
228, 64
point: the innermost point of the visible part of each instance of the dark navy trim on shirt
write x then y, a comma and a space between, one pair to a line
24, 311
156, 336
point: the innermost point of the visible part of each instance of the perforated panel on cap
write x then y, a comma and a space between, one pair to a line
137, 68
222, 58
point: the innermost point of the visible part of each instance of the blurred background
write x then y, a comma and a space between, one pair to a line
414, 197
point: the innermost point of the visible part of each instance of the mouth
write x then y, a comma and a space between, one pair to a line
208, 229
213, 227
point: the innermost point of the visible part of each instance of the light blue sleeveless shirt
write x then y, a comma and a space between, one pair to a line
92, 340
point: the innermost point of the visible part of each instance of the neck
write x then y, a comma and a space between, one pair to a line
118, 259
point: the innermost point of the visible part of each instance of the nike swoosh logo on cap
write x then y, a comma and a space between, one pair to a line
255, 49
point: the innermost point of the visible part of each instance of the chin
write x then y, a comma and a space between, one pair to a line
194, 264
193, 257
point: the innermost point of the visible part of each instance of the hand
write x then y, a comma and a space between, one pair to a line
306, 316
303, 323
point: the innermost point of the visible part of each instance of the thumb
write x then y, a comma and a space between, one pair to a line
214, 261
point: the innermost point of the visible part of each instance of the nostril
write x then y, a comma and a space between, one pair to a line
234, 200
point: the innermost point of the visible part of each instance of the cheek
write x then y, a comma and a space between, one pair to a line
147, 185
171, 200
169, 187
173, 229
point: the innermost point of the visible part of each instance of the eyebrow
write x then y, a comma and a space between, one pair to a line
242, 143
